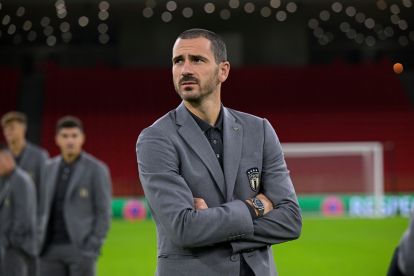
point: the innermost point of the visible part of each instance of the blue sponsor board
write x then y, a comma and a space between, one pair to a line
357, 205
324, 205
365, 206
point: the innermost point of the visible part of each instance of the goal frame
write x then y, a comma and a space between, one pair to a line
326, 149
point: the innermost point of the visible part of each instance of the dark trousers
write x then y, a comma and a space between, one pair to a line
15, 262
2, 251
33, 263
394, 270
66, 260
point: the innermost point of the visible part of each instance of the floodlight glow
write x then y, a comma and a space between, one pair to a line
12, 29
225, 14
166, 17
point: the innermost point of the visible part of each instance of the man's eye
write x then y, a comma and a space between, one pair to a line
198, 60
178, 61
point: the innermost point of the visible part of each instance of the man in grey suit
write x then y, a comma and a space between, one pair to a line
215, 178
77, 206
28, 157
17, 217
403, 258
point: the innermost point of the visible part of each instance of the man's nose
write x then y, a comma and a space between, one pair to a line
187, 69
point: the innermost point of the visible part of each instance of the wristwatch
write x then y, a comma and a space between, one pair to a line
258, 205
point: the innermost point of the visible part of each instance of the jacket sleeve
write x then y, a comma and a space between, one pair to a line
406, 250
102, 197
172, 203
42, 201
43, 159
284, 222
24, 210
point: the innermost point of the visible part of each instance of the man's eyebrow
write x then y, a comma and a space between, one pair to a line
198, 57
177, 58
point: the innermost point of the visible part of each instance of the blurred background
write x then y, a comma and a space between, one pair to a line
320, 71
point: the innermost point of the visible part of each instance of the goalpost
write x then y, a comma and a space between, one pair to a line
348, 168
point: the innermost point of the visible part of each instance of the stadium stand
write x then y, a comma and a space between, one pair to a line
9, 84
325, 103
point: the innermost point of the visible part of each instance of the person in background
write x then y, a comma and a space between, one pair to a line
77, 214
29, 157
17, 217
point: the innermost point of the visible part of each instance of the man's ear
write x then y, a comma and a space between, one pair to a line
224, 70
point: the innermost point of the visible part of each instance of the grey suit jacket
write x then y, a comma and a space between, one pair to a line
406, 250
176, 163
18, 213
33, 161
87, 207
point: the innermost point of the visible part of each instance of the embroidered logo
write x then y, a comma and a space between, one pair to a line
83, 192
254, 178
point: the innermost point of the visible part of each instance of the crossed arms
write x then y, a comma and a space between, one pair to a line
173, 204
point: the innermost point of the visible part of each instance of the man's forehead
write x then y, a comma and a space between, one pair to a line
13, 123
192, 46
70, 130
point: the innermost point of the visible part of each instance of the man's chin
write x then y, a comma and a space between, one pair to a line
189, 95
72, 153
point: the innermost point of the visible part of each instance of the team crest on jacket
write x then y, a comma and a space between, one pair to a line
83, 192
254, 178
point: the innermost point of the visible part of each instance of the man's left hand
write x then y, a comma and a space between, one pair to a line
200, 204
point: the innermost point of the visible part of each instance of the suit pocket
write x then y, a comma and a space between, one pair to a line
180, 265
177, 257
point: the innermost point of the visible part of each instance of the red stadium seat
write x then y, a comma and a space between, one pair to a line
336, 102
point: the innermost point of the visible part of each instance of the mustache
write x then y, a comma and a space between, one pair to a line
187, 78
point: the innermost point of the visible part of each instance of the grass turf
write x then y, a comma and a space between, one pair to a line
337, 246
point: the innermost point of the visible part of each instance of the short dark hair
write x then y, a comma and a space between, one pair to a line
218, 47
13, 116
69, 122
3, 147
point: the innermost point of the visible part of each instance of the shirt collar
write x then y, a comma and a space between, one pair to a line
63, 163
206, 126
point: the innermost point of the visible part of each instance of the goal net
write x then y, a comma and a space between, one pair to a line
352, 168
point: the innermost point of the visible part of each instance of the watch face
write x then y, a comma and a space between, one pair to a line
258, 203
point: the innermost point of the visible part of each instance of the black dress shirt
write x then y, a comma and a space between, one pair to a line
58, 233
214, 134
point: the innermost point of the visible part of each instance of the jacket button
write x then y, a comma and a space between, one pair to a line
235, 258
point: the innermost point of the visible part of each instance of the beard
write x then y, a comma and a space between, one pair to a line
198, 91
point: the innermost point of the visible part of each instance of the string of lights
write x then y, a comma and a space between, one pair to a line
353, 23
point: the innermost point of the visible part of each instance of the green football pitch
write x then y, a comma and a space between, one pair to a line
335, 246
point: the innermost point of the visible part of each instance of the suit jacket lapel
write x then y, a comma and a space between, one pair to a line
24, 156
51, 181
4, 191
232, 144
195, 138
